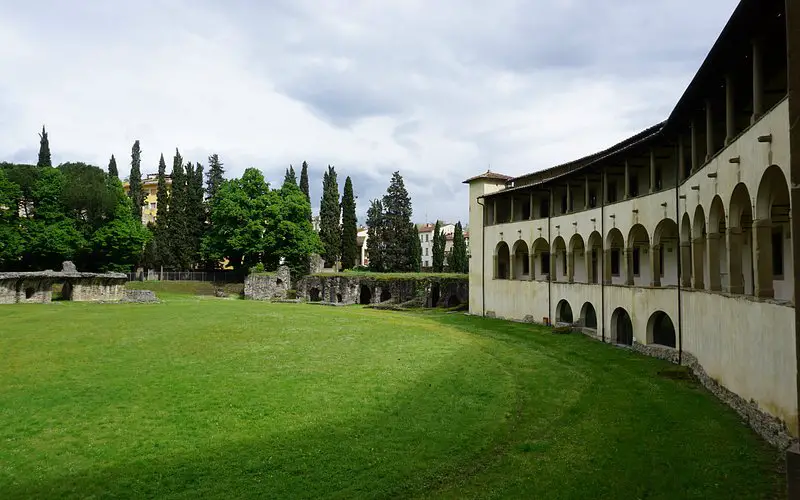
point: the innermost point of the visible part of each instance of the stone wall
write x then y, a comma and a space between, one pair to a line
268, 286
37, 287
421, 290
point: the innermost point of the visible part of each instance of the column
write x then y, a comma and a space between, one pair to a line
495, 273
605, 186
511, 216
710, 148
652, 171
571, 267
762, 258
629, 266
712, 244
681, 159
686, 264
695, 155
586, 195
569, 198
698, 254
494, 211
531, 265
587, 259
607, 267
627, 189
553, 263
655, 265
735, 277
758, 82
730, 110
531, 211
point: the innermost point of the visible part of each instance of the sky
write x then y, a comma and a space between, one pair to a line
440, 91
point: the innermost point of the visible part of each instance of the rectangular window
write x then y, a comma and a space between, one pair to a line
636, 261
612, 191
526, 264
426, 252
545, 260
777, 252
615, 261
634, 185
544, 209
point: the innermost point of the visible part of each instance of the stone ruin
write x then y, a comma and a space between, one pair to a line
412, 290
37, 287
268, 286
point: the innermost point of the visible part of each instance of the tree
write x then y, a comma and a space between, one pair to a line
44, 150
290, 235
112, 167
458, 261
195, 209
290, 176
10, 236
215, 176
120, 243
438, 249
349, 226
414, 249
398, 229
159, 250
179, 237
135, 188
375, 236
304, 181
329, 216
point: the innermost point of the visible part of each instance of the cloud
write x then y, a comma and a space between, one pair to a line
438, 91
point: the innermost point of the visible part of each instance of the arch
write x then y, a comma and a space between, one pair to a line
685, 254
386, 295
699, 249
686, 228
502, 261
716, 250
661, 330
739, 242
594, 252
563, 312
772, 238
614, 239
541, 259
614, 265
559, 265
622, 327
29, 292
699, 222
364, 295
339, 298
314, 295
435, 294
588, 316
716, 216
638, 270
576, 264
664, 259
521, 261
739, 209
453, 301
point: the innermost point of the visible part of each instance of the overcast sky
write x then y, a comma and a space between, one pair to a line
438, 90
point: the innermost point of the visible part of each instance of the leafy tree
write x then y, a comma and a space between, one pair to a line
438, 248
375, 236
44, 150
159, 249
179, 235
398, 227
290, 176
135, 188
459, 261
290, 235
215, 175
24, 176
87, 196
10, 236
119, 244
112, 167
349, 226
329, 216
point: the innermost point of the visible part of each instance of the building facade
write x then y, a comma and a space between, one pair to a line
680, 236
150, 187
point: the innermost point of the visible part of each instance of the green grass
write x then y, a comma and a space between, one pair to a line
185, 287
198, 397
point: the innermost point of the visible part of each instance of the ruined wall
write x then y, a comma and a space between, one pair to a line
37, 287
423, 291
268, 286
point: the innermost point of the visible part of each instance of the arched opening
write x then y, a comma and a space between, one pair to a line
314, 295
66, 291
622, 327
594, 256
279, 282
614, 266
559, 266
435, 294
699, 269
664, 254
576, 267
364, 295
773, 237
660, 330
339, 298
716, 251
685, 255
385, 295
638, 272
522, 262
541, 259
589, 316
29, 292
739, 242
453, 301
563, 312
502, 261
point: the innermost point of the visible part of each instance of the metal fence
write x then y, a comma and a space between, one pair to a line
210, 276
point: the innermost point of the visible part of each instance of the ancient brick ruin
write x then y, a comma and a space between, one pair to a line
37, 287
268, 286
366, 289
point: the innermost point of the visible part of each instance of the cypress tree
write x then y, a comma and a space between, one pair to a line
44, 150
136, 190
349, 226
112, 168
375, 236
215, 175
414, 249
290, 176
161, 237
195, 214
438, 249
398, 227
459, 262
178, 228
304, 181
329, 214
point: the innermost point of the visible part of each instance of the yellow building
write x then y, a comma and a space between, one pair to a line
150, 187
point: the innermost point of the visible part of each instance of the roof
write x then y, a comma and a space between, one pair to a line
489, 175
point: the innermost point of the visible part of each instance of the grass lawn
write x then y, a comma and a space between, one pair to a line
198, 397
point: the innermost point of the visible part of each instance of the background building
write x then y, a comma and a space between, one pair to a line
150, 187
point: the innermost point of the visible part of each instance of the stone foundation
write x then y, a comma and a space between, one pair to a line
139, 296
268, 286
37, 287
371, 289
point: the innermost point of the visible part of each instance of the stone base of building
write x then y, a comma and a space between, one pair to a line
37, 287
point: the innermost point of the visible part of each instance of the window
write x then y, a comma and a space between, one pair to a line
658, 180
426, 251
592, 198
634, 185
544, 209
615, 261
545, 260
153, 206
526, 211
526, 264
564, 204
426, 237
612, 191
636, 261
777, 252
